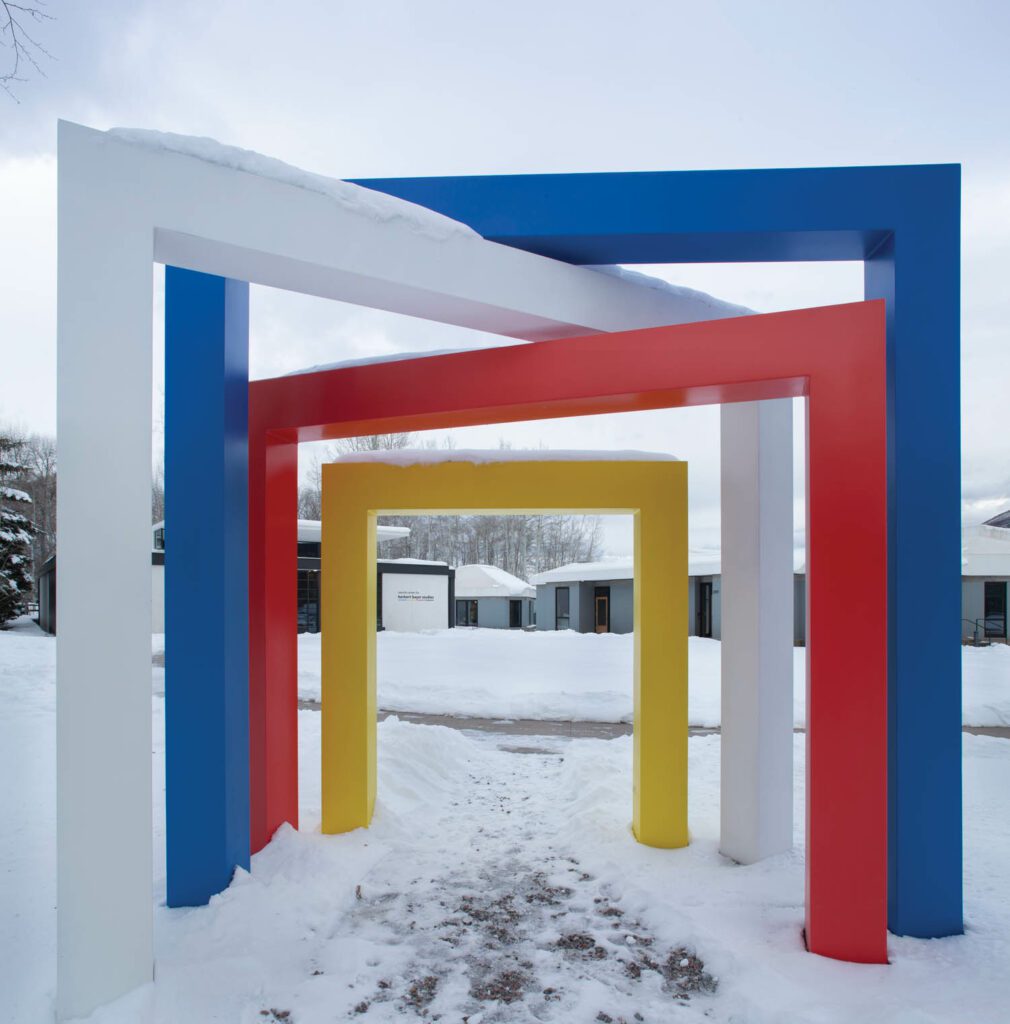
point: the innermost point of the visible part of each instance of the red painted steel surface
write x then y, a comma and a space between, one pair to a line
835, 355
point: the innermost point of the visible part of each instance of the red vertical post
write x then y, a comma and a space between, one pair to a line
273, 611
846, 878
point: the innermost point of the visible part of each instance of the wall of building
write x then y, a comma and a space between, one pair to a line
973, 602
493, 612
545, 605
412, 602
46, 587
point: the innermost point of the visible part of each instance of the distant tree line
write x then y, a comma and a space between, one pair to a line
27, 514
520, 544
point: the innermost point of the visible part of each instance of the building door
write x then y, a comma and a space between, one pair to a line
515, 614
562, 607
602, 604
995, 609
703, 617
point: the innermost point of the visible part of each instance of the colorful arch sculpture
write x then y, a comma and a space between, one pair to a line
122, 205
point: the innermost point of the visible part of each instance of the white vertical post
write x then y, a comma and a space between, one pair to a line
104, 885
757, 630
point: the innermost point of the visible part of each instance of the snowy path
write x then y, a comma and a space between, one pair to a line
514, 929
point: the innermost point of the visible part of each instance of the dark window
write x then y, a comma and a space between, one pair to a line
703, 614
308, 601
309, 549
515, 614
466, 613
159, 539
562, 598
995, 609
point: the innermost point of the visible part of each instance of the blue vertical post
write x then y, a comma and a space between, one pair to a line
917, 272
206, 583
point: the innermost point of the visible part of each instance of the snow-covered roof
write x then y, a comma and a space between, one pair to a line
575, 572
356, 199
699, 563
409, 561
985, 551
490, 581
416, 456
310, 530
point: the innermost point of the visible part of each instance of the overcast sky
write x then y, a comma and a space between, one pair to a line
406, 87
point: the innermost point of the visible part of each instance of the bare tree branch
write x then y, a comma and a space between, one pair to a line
24, 46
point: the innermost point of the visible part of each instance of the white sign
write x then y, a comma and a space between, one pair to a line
412, 602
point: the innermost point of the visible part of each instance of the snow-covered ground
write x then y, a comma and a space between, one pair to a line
494, 885
497, 673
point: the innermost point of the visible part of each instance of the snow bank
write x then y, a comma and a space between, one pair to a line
985, 685
480, 456
564, 675
363, 202
548, 675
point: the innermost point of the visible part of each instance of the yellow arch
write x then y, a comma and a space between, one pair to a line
653, 492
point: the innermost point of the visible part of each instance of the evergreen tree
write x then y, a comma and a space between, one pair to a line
16, 531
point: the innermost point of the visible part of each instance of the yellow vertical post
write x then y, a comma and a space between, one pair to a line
660, 603
348, 623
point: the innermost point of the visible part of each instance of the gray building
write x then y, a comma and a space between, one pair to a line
985, 573
492, 598
590, 597
599, 597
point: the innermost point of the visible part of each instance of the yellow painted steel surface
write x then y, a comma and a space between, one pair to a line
653, 492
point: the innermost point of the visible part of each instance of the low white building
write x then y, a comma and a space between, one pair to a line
492, 598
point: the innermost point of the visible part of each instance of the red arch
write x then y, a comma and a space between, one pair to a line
834, 355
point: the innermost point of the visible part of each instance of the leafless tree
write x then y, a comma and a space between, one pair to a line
158, 490
19, 25
521, 544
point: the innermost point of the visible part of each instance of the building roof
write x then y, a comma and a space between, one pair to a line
700, 563
985, 550
576, 572
310, 530
1002, 520
490, 581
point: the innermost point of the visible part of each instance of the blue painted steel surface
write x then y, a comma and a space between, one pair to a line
206, 583
904, 222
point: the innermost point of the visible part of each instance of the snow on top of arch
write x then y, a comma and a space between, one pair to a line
419, 456
366, 202
718, 308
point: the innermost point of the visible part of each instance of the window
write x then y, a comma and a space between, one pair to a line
995, 609
308, 601
515, 614
466, 613
159, 539
562, 598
